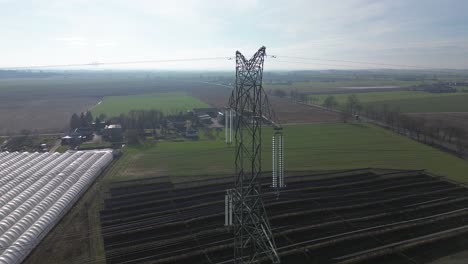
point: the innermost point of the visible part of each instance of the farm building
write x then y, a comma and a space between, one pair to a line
113, 132
99, 125
78, 136
36, 191
204, 118
72, 139
85, 132
212, 112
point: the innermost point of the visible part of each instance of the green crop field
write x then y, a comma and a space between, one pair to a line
340, 85
408, 101
165, 102
307, 147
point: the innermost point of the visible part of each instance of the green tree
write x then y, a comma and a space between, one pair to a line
82, 120
103, 117
75, 121
154, 117
88, 118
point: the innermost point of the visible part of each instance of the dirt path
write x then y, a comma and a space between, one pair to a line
55, 146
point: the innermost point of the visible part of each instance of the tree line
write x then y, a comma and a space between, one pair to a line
139, 119
84, 119
416, 127
293, 94
135, 119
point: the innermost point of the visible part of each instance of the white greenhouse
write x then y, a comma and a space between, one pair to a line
37, 190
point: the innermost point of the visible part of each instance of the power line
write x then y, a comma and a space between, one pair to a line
418, 69
353, 62
302, 58
96, 63
312, 63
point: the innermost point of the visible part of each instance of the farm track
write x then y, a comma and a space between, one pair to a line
358, 218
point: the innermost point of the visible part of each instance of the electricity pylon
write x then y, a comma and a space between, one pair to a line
250, 109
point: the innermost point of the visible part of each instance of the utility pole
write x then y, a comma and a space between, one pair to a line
245, 210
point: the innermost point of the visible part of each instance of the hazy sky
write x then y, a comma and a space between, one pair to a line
411, 32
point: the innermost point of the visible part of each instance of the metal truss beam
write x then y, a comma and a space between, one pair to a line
253, 235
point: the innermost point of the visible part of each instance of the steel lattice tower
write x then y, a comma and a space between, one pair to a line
252, 231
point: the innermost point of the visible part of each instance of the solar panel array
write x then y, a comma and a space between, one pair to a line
36, 190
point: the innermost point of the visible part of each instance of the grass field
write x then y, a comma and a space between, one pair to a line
408, 101
462, 88
307, 147
166, 102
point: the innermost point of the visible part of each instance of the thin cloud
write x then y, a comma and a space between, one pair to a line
106, 44
73, 41
366, 30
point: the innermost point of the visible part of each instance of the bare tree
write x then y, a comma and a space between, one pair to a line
330, 102
353, 106
302, 97
418, 126
313, 99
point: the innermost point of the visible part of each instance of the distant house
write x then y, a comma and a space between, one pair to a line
98, 126
113, 132
212, 112
72, 139
85, 132
44, 147
66, 140
204, 118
